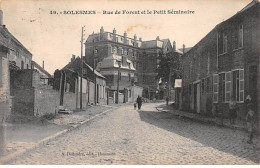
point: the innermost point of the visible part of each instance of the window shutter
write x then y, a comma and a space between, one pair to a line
241, 85
215, 88
228, 86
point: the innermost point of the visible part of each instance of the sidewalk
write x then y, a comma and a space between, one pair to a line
22, 137
198, 117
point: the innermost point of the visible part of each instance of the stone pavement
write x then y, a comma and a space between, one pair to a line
21, 137
195, 116
149, 136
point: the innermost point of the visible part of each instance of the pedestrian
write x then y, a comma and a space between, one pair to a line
250, 123
139, 102
232, 111
167, 100
135, 105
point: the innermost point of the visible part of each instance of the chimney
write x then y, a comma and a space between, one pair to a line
174, 46
140, 38
125, 34
43, 64
157, 38
73, 58
102, 30
1, 18
114, 31
135, 37
183, 48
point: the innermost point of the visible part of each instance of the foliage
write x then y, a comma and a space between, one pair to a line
169, 62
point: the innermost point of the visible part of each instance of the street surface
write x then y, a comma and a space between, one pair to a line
128, 136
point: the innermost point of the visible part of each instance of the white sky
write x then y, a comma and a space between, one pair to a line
54, 38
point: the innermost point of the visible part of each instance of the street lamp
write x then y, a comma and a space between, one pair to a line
94, 75
118, 76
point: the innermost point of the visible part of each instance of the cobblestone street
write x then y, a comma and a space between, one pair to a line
128, 136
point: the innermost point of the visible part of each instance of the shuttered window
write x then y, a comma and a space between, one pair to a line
228, 87
215, 88
241, 85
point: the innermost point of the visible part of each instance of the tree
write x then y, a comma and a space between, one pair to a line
169, 67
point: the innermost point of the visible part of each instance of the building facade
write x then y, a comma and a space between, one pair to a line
224, 65
138, 58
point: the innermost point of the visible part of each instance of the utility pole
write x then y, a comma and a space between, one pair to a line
118, 76
94, 75
169, 83
81, 56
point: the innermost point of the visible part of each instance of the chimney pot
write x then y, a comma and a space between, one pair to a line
174, 46
157, 38
114, 31
43, 64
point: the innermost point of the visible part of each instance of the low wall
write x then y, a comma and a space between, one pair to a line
23, 101
46, 101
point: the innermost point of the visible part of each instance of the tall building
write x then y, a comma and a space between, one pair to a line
136, 59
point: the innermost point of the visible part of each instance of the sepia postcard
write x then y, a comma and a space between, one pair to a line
142, 82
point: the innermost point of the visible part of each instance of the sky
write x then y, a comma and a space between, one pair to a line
55, 37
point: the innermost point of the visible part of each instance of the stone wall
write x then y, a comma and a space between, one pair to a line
45, 101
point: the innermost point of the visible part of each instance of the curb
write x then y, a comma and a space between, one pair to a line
205, 121
13, 156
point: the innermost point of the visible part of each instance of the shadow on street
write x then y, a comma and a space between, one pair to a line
223, 139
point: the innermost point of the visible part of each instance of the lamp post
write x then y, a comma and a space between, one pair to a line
118, 76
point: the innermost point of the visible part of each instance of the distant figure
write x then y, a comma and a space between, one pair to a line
232, 111
167, 100
250, 123
139, 102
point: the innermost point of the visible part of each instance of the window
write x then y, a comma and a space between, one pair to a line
240, 36
203, 85
18, 54
22, 65
190, 86
129, 77
224, 43
27, 66
208, 84
238, 85
241, 85
228, 87
220, 43
222, 87
115, 50
208, 63
215, 88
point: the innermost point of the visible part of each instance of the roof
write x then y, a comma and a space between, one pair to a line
109, 62
186, 50
96, 72
78, 59
41, 69
251, 4
13, 38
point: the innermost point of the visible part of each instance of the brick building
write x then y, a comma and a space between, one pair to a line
138, 58
224, 65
